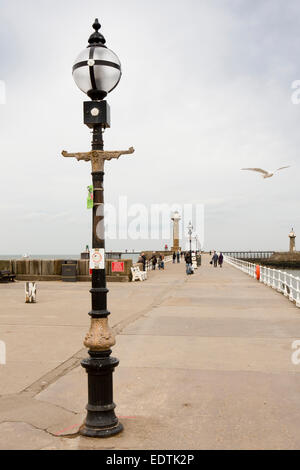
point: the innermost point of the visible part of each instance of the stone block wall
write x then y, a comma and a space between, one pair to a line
50, 270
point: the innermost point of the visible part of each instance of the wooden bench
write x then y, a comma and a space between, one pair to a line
7, 276
137, 274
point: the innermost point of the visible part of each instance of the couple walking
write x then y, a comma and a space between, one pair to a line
217, 259
176, 256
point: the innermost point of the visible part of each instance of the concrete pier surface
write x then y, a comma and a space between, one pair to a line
205, 363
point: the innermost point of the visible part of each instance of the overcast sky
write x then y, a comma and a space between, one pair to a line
206, 90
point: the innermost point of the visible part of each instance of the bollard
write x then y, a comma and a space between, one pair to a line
30, 292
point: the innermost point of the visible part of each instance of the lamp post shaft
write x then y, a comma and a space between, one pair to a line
101, 420
98, 192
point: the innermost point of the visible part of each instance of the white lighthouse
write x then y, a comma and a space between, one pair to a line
176, 218
292, 237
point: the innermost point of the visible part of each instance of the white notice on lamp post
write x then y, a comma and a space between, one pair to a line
97, 259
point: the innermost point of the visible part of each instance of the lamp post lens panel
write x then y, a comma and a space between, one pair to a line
97, 69
95, 112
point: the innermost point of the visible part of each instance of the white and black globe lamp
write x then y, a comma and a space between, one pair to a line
97, 72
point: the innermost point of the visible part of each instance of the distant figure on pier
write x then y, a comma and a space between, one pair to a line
161, 263
154, 261
215, 259
220, 260
174, 257
142, 259
189, 264
178, 257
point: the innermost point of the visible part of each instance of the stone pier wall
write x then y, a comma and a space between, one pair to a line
279, 260
50, 270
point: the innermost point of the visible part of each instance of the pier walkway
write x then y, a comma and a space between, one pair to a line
205, 363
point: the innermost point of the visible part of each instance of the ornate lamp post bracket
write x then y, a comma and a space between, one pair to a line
98, 157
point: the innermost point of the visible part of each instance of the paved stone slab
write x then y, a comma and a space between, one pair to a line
218, 353
68, 392
39, 337
218, 302
215, 327
22, 436
204, 311
213, 410
24, 407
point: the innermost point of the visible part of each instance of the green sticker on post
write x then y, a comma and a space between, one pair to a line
90, 198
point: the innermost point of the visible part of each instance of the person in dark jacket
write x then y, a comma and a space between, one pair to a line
215, 259
188, 261
178, 256
154, 261
174, 257
143, 260
220, 260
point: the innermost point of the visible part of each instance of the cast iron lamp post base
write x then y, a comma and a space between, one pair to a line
101, 420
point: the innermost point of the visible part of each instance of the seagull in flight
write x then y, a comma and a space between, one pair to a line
266, 174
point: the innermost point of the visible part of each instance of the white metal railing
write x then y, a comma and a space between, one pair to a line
281, 281
149, 264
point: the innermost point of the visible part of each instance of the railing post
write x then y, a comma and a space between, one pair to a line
261, 268
279, 282
297, 293
274, 279
291, 295
285, 292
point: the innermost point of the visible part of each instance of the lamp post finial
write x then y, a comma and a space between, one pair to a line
96, 38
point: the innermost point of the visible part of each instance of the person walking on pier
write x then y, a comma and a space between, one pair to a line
142, 259
174, 257
161, 263
178, 257
215, 259
188, 260
220, 260
154, 261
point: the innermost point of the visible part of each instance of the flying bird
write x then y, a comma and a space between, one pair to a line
266, 174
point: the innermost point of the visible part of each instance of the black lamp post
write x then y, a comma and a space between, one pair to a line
196, 239
190, 231
97, 71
